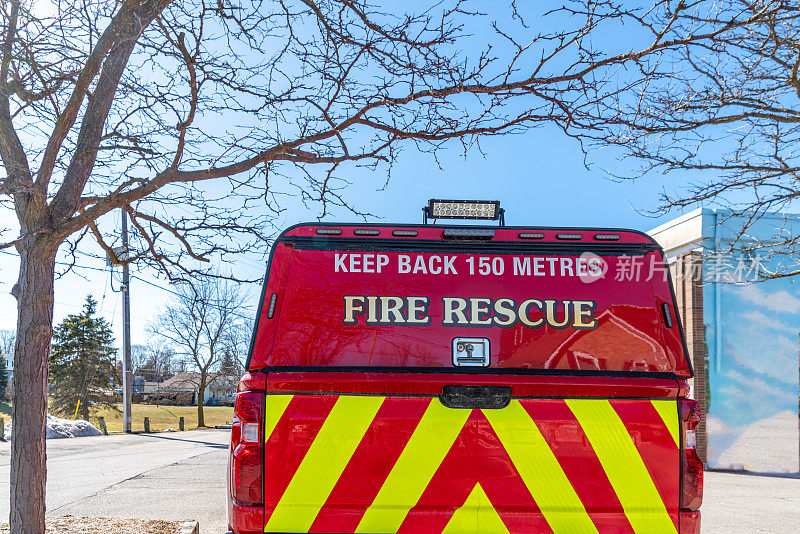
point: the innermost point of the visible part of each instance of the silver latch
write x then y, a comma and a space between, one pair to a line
471, 352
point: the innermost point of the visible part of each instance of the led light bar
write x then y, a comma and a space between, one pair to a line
464, 209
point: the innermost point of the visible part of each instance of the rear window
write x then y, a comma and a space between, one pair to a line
555, 301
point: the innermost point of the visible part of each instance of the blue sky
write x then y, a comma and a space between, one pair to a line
539, 177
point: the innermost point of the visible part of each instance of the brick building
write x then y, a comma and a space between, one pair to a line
686, 271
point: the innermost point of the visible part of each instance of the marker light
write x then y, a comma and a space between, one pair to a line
468, 233
405, 233
464, 209
329, 231
606, 237
530, 235
569, 237
366, 231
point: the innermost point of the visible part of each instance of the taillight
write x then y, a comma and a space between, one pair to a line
691, 464
246, 454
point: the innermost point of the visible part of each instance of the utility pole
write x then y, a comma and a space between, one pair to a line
126, 330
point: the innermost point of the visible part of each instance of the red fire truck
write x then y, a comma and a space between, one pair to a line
452, 378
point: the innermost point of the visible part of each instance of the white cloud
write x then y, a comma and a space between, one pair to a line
779, 301
755, 387
735, 403
760, 319
716, 427
764, 353
768, 444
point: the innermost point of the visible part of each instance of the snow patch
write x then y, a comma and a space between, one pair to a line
58, 428
64, 428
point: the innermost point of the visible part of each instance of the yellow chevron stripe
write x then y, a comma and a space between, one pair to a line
476, 515
623, 465
276, 405
539, 468
414, 469
668, 410
323, 463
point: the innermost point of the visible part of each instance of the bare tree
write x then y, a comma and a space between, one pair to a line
7, 342
138, 359
152, 361
724, 119
236, 343
197, 118
197, 325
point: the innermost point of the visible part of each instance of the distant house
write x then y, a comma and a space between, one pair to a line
9, 365
140, 385
220, 388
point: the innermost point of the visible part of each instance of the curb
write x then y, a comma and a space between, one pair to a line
190, 527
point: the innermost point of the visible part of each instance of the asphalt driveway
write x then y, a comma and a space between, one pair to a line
174, 476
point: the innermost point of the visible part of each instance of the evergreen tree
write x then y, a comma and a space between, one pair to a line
3, 377
82, 363
229, 366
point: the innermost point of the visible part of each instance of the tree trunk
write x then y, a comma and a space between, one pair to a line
84, 411
34, 293
201, 392
84, 397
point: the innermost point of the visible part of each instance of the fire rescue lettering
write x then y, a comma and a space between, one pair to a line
480, 312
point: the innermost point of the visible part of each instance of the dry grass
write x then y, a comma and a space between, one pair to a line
162, 417
102, 525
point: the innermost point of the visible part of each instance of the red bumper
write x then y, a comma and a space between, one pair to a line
250, 520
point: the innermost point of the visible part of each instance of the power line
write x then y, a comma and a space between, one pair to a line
62, 263
156, 286
104, 270
67, 264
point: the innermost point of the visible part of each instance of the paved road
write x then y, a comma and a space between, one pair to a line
745, 503
181, 476
173, 476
